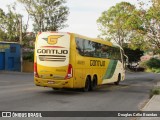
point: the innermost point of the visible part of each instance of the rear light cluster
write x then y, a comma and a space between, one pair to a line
35, 70
69, 72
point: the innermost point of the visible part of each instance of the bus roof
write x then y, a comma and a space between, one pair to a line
85, 37
94, 39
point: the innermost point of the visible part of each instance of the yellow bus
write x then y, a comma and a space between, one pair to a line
69, 60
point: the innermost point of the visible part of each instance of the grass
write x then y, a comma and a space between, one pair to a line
154, 70
155, 91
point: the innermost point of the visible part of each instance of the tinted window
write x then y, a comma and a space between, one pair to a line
116, 53
80, 46
93, 49
88, 48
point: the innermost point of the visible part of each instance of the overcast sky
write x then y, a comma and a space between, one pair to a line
83, 14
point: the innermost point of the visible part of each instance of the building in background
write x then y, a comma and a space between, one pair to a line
10, 56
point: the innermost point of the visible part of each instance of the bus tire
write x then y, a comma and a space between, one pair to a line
94, 83
56, 89
87, 85
118, 80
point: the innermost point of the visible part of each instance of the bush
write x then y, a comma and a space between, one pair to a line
29, 56
155, 70
143, 64
153, 63
155, 91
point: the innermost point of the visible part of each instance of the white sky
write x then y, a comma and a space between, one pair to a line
83, 14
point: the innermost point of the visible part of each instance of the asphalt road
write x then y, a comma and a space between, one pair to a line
18, 93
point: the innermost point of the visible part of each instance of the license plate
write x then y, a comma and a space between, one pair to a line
51, 82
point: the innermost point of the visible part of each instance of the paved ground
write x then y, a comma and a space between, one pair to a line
153, 105
18, 93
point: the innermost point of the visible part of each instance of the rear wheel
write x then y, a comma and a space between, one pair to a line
87, 85
56, 89
118, 80
94, 83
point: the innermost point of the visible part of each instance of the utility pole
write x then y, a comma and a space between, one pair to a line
20, 41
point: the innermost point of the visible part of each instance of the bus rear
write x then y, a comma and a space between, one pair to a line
52, 66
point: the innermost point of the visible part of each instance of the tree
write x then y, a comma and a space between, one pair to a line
148, 27
112, 22
133, 55
2, 26
3, 35
152, 26
134, 25
9, 24
47, 15
2, 19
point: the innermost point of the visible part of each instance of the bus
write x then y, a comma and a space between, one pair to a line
69, 60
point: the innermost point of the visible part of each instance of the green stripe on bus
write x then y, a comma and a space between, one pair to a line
111, 69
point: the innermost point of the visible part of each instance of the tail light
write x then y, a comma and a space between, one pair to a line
69, 72
35, 70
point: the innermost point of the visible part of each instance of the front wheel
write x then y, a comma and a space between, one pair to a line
118, 80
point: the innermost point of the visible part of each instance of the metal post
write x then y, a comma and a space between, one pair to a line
20, 41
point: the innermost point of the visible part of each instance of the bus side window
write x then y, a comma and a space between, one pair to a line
89, 48
106, 51
80, 46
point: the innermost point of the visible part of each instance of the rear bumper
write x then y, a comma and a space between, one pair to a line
68, 83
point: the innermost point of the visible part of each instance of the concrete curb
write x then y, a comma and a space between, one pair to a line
148, 103
154, 99
15, 73
152, 105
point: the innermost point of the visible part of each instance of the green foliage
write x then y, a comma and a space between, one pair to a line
27, 41
9, 24
150, 23
48, 15
3, 35
29, 56
143, 64
139, 27
155, 70
112, 23
153, 63
152, 70
155, 91
134, 22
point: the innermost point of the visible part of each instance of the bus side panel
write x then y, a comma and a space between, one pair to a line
99, 73
79, 79
77, 72
86, 66
111, 74
120, 70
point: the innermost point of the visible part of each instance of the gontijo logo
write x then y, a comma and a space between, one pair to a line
53, 39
